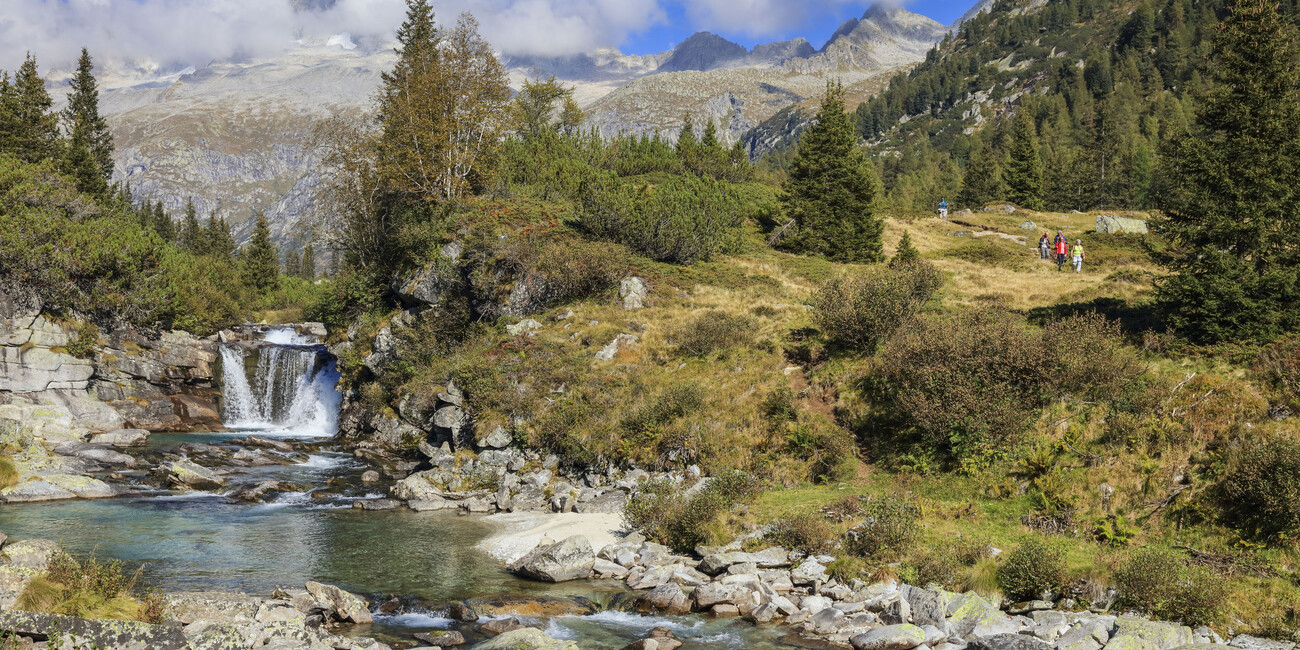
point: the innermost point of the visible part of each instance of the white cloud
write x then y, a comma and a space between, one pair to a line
761, 18
166, 35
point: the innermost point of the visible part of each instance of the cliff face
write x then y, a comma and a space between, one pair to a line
129, 379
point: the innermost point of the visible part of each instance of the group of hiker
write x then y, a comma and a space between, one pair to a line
1060, 246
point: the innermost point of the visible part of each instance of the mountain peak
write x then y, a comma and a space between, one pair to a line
703, 51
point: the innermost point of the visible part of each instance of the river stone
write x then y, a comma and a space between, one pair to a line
121, 438
193, 475
441, 639
528, 638
120, 635
890, 637
346, 606
929, 607
611, 502
970, 616
1248, 642
1114, 225
769, 558
667, 598
1162, 635
1008, 642
102, 455
1087, 635
568, 559
809, 572
31, 554
35, 490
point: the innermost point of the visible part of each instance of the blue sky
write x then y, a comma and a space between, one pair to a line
817, 26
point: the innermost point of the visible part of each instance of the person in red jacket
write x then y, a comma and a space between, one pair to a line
1062, 248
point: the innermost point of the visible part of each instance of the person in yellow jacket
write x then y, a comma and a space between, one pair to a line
1077, 253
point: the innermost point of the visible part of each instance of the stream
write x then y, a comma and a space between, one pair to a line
200, 541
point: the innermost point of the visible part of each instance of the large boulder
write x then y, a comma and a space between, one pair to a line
339, 603
1111, 224
188, 474
771, 558
568, 559
432, 284
121, 438
1008, 642
632, 291
527, 638
971, 617
1160, 634
890, 637
196, 413
122, 635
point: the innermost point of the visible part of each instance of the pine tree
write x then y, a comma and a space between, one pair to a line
87, 130
710, 139
292, 264
162, 222
191, 232
260, 260
906, 253
571, 117
1023, 173
1230, 206
686, 138
34, 127
832, 188
982, 183
307, 267
218, 242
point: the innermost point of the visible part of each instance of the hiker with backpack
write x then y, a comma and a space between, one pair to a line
1062, 247
1043, 247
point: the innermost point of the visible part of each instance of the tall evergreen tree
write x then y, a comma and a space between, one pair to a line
686, 138
191, 233
292, 264
1233, 188
219, 243
87, 129
982, 183
259, 257
162, 222
307, 267
34, 128
1023, 172
832, 188
710, 138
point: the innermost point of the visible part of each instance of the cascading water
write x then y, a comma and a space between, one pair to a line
291, 389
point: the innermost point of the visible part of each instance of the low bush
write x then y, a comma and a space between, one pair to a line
555, 268
803, 531
1033, 568
1278, 366
674, 402
8, 473
683, 220
82, 346
969, 383
1157, 581
949, 563
891, 526
711, 332
664, 512
829, 449
859, 312
90, 588
1260, 490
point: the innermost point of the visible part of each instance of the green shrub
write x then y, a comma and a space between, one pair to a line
672, 403
8, 473
948, 563
1260, 491
556, 268
1157, 581
711, 332
891, 526
830, 450
1278, 366
859, 312
666, 514
803, 531
1033, 568
82, 346
683, 220
90, 589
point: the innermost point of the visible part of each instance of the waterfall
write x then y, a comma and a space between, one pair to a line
291, 387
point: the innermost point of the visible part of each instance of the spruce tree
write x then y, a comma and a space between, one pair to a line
686, 138
292, 264
162, 222
832, 187
87, 129
307, 267
34, 134
710, 138
1233, 189
982, 182
1023, 172
260, 260
191, 232
906, 253
218, 242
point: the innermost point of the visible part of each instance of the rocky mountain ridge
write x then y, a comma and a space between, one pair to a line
236, 136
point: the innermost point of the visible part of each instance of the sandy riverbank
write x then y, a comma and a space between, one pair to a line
522, 531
